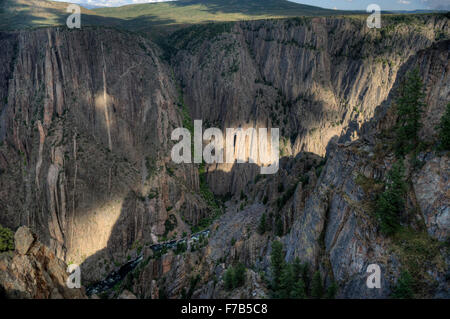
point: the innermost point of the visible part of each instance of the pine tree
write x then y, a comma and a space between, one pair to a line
234, 277
332, 290
444, 130
409, 105
299, 290
279, 227
286, 282
239, 275
297, 268
403, 289
262, 224
306, 275
228, 278
391, 203
277, 264
317, 286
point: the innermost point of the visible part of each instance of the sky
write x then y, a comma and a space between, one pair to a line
384, 4
332, 4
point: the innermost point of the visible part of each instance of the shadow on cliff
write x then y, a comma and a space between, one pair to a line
123, 235
129, 229
53, 17
255, 8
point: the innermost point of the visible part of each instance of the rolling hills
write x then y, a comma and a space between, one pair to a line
20, 14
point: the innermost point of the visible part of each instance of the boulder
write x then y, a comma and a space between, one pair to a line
23, 238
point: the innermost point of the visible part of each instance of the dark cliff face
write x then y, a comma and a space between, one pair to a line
85, 125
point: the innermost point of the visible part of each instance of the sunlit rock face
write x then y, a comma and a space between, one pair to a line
85, 136
316, 79
85, 125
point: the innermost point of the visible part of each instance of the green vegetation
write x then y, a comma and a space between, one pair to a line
280, 187
332, 291
417, 253
150, 164
210, 199
262, 227
292, 280
391, 202
6, 239
181, 248
409, 104
286, 196
277, 264
152, 194
205, 192
444, 130
234, 277
170, 224
369, 185
160, 252
192, 284
316, 286
403, 289
143, 17
298, 290
202, 242
201, 11
279, 229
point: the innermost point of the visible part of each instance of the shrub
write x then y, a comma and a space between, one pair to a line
6, 239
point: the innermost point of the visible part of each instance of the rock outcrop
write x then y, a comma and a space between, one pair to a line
33, 271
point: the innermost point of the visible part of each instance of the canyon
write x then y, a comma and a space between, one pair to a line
86, 118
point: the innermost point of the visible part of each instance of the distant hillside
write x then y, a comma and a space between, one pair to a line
196, 11
19, 14
155, 17
23, 14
